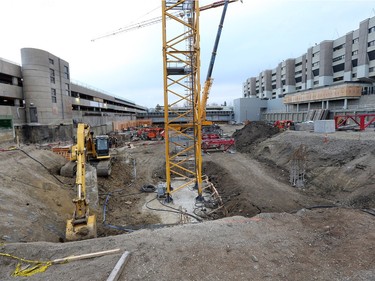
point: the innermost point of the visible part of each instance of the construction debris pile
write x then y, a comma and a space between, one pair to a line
252, 134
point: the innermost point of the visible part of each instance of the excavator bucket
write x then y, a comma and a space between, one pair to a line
81, 231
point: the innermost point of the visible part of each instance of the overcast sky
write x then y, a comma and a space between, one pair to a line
257, 35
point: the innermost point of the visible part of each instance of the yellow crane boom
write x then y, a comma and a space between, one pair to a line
155, 20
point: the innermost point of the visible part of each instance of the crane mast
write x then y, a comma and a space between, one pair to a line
181, 63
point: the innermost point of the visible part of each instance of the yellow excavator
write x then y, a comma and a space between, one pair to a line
82, 225
97, 151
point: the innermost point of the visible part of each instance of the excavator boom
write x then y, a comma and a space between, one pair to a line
82, 225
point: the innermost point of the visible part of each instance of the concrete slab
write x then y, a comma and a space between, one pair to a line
324, 126
170, 213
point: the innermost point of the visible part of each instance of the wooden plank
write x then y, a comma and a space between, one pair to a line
85, 256
119, 267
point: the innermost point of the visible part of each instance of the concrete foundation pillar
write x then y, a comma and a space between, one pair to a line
15, 81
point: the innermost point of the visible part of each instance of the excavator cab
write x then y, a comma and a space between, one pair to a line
102, 145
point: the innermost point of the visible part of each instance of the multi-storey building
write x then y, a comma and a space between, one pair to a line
337, 75
40, 102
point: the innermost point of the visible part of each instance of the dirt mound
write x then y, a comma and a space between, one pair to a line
252, 134
325, 244
34, 201
338, 165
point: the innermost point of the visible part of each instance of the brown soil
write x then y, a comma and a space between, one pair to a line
252, 134
294, 235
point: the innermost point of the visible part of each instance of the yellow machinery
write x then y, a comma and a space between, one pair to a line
97, 151
181, 64
82, 225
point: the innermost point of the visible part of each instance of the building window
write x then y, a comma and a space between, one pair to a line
355, 53
51, 61
371, 69
371, 55
338, 47
371, 43
338, 58
354, 75
371, 29
66, 72
316, 82
53, 95
338, 79
315, 64
355, 40
67, 89
52, 75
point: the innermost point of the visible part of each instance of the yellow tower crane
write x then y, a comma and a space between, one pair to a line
181, 69
181, 63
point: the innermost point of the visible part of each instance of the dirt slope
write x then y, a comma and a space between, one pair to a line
34, 205
249, 187
339, 166
330, 244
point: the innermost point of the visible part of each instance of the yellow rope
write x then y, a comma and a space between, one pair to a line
39, 266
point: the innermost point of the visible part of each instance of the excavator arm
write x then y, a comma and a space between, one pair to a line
82, 225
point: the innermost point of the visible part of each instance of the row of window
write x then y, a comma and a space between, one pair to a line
338, 58
53, 92
65, 72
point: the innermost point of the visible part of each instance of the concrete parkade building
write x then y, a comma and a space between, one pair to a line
39, 102
331, 78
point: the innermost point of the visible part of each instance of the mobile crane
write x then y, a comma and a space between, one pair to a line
82, 225
217, 143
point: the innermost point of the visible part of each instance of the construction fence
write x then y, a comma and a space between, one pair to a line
119, 126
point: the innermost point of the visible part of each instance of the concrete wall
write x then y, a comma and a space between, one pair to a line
276, 105
10, 68
43, 133
248, 109
324, 126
